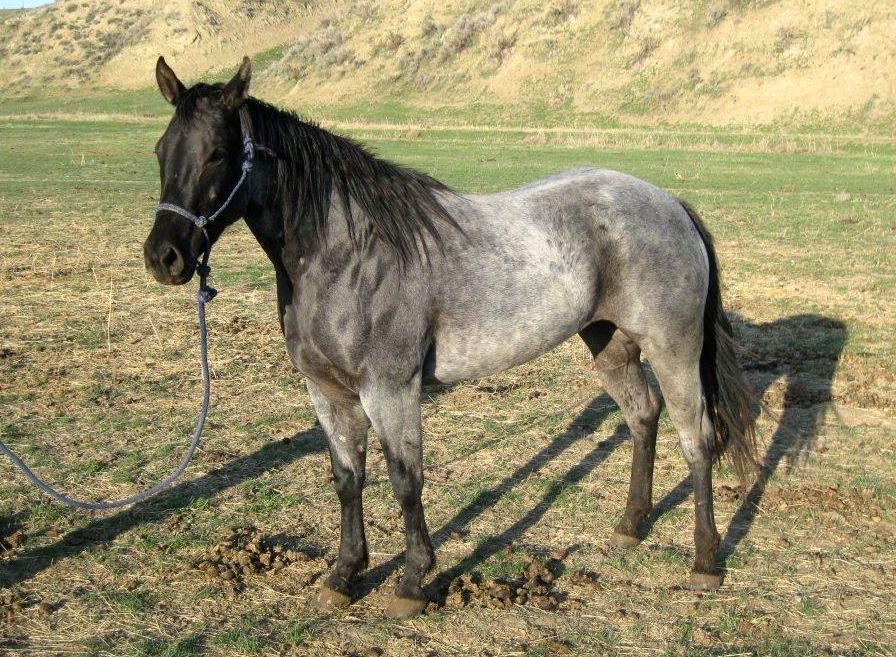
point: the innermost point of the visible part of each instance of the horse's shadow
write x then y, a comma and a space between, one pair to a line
272, 455
803, 349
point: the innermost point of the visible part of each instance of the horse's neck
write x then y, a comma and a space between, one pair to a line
273, 222
268, 231
293, 245
266, 224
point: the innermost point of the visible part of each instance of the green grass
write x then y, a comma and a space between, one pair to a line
264, 497
241, 641
142, 103
185, 647
298, 632
804, 225
133, 601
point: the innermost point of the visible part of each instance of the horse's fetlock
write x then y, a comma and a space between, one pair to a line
421, 564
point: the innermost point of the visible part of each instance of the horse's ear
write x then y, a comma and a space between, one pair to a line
169, 85
237, 90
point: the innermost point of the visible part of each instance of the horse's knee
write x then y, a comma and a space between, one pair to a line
406, 475
347, 483
348, 468
407, 489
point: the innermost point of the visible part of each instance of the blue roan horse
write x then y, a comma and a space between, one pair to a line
386, 279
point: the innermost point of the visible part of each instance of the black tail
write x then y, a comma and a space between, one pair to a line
729, 399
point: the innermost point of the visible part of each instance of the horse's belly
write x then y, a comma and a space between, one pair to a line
472, 350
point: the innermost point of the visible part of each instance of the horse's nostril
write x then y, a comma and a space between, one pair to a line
172, 260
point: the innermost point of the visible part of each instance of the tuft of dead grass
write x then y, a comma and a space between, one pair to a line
622, 18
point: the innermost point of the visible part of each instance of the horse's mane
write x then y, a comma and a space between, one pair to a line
395, 203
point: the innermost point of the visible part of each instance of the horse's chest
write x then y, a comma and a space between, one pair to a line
342, 332
323, 340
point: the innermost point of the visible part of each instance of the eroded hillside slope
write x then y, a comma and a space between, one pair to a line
716, 61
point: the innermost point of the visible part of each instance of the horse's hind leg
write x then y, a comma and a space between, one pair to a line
345, 424
677, 368
394, 410
618, 363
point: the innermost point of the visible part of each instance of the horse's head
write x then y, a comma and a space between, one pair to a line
200, 159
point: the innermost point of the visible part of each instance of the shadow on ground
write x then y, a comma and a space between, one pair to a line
273, 455
803, 349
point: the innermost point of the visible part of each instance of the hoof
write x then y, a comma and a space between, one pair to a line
330, 599
704, 582
623, 541
405, 607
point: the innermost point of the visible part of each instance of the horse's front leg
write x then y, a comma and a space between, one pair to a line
394, 411
345, 424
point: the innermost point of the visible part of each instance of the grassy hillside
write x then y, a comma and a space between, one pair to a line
705, 61
114, 43
697, 61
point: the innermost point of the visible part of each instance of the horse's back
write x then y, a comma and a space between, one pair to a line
538, 263
648, 264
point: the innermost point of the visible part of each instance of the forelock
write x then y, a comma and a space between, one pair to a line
198, 98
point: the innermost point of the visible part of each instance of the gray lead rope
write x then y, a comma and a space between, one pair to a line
203, 296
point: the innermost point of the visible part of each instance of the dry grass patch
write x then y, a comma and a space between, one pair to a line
99, 387
721, 63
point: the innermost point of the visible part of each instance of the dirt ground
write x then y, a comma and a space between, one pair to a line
526, 471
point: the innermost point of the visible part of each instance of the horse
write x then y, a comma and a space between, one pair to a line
387, 280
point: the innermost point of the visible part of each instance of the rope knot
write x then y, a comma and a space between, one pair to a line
206, 294
249, 147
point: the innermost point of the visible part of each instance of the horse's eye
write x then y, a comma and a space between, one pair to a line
218, 155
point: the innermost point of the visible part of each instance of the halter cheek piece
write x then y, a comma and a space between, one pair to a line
250, 147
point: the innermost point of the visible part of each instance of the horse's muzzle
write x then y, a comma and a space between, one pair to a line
167, 263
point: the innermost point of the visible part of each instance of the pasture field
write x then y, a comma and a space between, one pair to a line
99, 386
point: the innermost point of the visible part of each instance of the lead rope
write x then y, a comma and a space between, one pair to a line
203, 296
